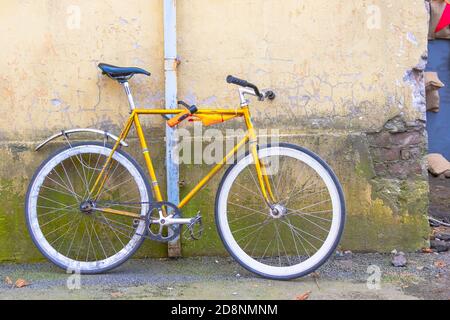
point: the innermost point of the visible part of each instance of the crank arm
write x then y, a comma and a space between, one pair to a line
169, 221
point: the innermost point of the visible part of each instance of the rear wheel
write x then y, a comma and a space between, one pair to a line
302, 227
60, 211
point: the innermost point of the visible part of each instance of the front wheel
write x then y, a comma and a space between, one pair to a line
299, 230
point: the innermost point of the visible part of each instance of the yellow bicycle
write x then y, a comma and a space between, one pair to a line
279, 210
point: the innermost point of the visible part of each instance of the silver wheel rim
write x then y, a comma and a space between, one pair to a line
35, 228
246, 259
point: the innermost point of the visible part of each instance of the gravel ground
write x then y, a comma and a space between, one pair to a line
426, 276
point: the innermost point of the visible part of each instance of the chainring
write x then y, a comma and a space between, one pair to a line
157, 231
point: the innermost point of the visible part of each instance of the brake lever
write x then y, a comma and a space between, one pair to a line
184, 104
190, 110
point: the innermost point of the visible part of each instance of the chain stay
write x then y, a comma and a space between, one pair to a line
175, 228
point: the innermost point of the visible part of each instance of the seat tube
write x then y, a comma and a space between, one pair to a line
127, 89
148, 160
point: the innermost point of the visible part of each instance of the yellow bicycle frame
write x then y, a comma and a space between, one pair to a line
250, 137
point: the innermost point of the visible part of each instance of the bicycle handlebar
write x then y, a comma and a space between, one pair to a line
239, 82
243, 83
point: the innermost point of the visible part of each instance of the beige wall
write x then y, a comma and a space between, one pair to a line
321, 58
50, 80
339, 78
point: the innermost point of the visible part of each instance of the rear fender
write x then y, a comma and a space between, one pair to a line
75, 131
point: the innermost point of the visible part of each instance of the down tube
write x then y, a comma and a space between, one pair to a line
213, 172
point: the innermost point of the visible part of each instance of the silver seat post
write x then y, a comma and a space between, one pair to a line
126, 86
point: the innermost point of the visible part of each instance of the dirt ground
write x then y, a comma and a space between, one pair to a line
354, 276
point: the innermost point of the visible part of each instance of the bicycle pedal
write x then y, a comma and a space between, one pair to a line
196, 228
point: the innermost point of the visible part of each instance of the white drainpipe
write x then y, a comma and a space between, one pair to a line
170, 66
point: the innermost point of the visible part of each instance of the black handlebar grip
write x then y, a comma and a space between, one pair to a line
271, 95
245, 84
237, 81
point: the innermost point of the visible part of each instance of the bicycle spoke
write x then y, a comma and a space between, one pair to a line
309, 195
57, 229
89, 243
262, 225
94, 170
55, 219
296, 235
123, 225
77, 198
286, 200
57, 202
81, 242
113, 229
79, 174
267, 248
280, 170
55, 190
70, 182
277, 196
282, 244
108, 177
56, 209
241, 218
244, 207
295, 242
319, 226
120, 184
258, 187
254, 225
278, 250
256, 242
312, 215
311, 206
109, 238
307, 233
74, 235
247, 189
64, 234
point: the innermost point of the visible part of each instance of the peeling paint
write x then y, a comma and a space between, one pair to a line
56, 102
412, 38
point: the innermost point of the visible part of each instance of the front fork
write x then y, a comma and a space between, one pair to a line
263, 178
261, 170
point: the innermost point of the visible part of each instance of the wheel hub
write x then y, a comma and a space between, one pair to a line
278, 211
87, 207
